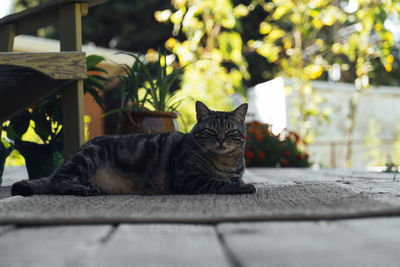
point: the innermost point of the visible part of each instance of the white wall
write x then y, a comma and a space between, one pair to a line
381, 104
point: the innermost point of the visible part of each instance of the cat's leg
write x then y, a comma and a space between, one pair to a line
72, 177
69, 186
211, 185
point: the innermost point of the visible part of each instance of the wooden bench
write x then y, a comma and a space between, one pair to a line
27, 78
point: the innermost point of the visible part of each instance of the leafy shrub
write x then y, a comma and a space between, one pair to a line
265, 149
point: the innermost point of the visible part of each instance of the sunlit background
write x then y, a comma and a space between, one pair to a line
327, 71
5, 7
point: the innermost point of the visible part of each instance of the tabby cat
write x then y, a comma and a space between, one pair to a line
209, 159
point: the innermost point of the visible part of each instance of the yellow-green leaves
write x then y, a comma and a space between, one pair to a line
230, 44
265, 27
211, 38
241, 11
282, 8
314, 71
162, 15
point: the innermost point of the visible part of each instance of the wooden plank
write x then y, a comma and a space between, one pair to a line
372, 242
7, 35
162, 245
41, 12
65, 65
70, 28
72, 96
51, 246
29, 24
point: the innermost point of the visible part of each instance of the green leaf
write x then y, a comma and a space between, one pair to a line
99, 100
42, 127
94, 82
93, 60
97, 69
18, 125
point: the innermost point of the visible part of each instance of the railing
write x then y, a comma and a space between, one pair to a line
343, 143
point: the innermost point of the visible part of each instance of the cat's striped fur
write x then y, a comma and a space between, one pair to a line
209, 159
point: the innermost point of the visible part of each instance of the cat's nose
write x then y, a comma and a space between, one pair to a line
220, 140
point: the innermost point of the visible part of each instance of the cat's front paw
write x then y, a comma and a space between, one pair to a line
247, 189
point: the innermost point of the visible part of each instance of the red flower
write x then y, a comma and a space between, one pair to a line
259, 137
248, 154
255, 123
261, 154
254, 130
247, 137
284, 162
286, 152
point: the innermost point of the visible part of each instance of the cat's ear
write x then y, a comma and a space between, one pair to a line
201, 110
240, 112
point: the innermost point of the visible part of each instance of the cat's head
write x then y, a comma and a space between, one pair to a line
220, 132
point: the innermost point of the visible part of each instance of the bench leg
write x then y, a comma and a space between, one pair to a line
72, 95
73, 120
7, 35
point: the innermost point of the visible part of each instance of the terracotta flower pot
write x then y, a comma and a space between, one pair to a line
150, 122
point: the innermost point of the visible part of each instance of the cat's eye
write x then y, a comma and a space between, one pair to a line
209, 131
206, 133
232, 132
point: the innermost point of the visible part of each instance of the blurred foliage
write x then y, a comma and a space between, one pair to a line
206, 39
122, 24
307, 38
264, 149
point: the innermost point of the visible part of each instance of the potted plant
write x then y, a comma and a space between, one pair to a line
147, 98
45, 119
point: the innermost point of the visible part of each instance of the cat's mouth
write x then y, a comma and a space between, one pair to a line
222, 149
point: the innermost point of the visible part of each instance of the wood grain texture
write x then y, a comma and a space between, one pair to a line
59, 66
350, 243
162, 245
51, 246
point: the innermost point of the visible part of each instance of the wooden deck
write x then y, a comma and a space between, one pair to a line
351, 242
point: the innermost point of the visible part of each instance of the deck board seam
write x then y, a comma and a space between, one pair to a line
109, 234
229, 254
